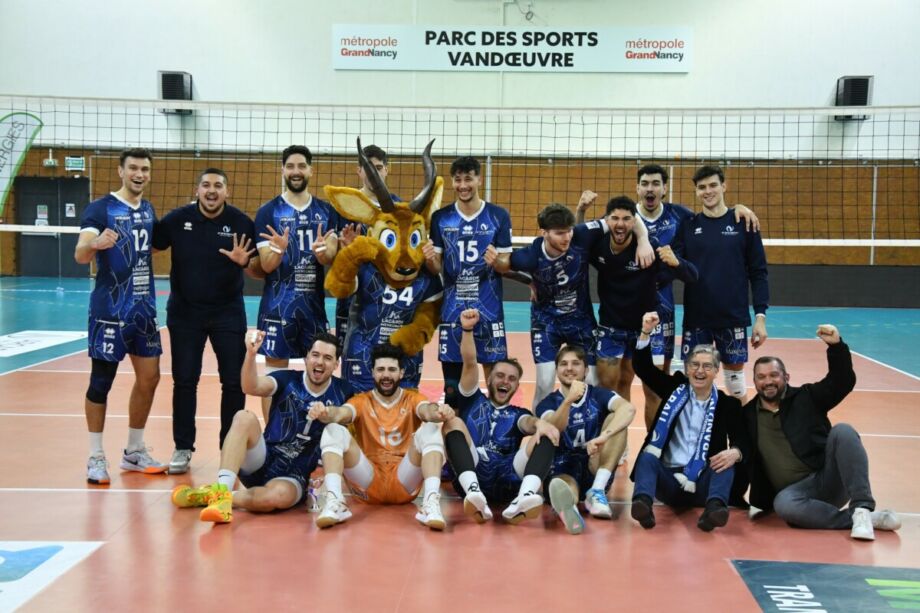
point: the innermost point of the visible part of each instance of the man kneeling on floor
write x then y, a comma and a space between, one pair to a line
803, 468
397, 446
275, 466
685, 460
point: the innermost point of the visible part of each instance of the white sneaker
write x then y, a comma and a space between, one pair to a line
140, 461
430, 512
565, 504
597, 505
179, 461
526, 506
476, 506
885, 520
97, 470
335, 511
862, 525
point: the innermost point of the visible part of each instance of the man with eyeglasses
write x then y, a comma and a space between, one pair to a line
685, 459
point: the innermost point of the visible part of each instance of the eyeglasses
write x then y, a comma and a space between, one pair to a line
700, 365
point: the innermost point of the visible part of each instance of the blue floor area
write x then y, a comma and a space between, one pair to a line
891, 336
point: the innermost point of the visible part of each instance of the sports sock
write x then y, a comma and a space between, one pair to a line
467, 479
530, 483
226, 477
458, 453
541, 460
135, 439
95, 444
333, 484
432, 485
601, 479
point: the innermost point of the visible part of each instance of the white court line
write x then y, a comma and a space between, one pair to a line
914, 377
60, 357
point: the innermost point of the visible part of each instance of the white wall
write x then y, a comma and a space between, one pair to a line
746, 52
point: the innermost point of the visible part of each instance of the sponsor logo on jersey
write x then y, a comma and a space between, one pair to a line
187, 226
698, 231
467, 229
484, 227
109, 332
729, 231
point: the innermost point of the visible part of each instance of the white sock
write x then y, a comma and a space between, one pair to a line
333, 483
95, 445
601, 479
530, 483
432, 486
468, 478
135, 439
226, 477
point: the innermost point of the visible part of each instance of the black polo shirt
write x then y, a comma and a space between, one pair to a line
202, 279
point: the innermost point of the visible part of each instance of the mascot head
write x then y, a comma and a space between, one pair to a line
400, 228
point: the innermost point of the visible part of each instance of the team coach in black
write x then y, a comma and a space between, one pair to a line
210, 243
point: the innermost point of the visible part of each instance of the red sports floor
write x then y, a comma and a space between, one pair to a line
156, 557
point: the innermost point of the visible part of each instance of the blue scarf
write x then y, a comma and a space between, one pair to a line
672, 408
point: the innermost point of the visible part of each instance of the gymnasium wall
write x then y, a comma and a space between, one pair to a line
758, 53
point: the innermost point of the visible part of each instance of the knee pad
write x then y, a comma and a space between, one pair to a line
100, 380
335, 439
734, 383
428, 438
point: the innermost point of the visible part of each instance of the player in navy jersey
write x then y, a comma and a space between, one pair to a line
468, 237
292, 252
379, 160
592, 422
274, 466
483, 442
730, 258
561, 310
626, 292
116, 230
662, 220
378, 312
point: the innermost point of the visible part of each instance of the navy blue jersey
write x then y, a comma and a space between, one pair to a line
664, 229
729, 258
468, 281
381, 310
626, 290
586, 417
124, 273
494, 430
290, 403
300, 276
561, 283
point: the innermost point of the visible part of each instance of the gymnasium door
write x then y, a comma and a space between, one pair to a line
50, 201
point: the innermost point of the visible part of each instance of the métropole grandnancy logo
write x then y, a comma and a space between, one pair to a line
17, 131
645, 49
361, 46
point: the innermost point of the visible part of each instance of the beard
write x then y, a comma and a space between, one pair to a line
386, 393
295, 188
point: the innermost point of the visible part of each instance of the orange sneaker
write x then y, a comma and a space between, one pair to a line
220, 505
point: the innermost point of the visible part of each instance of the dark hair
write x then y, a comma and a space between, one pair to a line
514, 362
387, 350
465, 164
332, 339
134, 152
212, 171
578, 350
373, 151
707, 171
621, 202
294, 149
652, 169
769, 358
555, 216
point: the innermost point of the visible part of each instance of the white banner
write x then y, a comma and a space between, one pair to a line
17, 131
405, 47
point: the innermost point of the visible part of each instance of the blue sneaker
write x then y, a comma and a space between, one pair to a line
597, 505
565, 504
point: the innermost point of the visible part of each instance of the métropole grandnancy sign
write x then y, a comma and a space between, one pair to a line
407, 47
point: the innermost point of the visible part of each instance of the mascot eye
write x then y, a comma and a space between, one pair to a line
415, 239
388, 238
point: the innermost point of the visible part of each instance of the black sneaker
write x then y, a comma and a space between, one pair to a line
715, 515
642, 511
